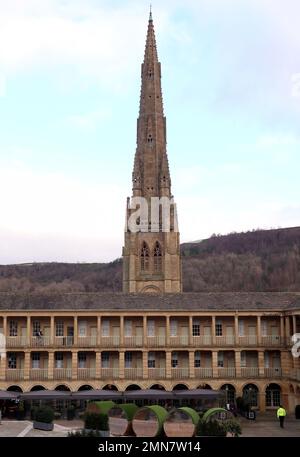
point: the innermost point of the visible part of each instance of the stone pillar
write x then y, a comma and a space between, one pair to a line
27, 365
5, 326
3, 363
286, 363
282, 336
121, 364
74, 365
191, 364
98, 331
259, 330
287, 329
98, 365
238, 371
52, 331
50, 365
122, 331
145, 365
294, 325
28, 331
191, 341
145, 333
262, 400
215, 364
236, 328
261, 363
75, 331
167, 331
168, 364
213, 330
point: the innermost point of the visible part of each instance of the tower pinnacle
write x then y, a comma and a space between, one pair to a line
151, 253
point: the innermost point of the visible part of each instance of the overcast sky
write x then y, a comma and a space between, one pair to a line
69, 93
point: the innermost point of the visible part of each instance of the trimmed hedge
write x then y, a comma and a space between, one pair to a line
44, 414
96, 421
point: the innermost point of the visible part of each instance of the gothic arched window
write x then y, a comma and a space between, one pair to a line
144, 257
157, 257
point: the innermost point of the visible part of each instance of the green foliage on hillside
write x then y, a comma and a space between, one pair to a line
261, 260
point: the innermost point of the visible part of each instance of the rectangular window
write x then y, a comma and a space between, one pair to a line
243, 359
105, 327
196, 327
105, 359
36, 328
264, 328
241, 327
128, 359
35, 357
267, 360
13, 328
197, 359
59, 329
82, 328
219, 329
59, 359
220, 359
151, 360
174, 361
81, 360
128, 327
173, 327
151, 327
12, 360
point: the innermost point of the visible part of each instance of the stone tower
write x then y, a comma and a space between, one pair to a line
151, 254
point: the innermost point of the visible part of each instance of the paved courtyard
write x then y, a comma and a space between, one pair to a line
20, 429
264, 426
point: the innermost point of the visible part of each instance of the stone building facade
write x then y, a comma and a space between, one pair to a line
152, 334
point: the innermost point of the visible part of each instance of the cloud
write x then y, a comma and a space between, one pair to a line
88, 121
92, 40
43, 205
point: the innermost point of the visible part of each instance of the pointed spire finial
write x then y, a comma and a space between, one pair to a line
150, 15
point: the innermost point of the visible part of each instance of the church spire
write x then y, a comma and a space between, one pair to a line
151, 252
151, 171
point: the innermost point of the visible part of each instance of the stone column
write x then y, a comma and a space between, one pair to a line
145, 365
122, 331
28, 331
236, 329
168, 364
145, 333
238, 371
259, 330
98, 331
191, 342
261, 363
52, 331
121, 364
98, 365
213, 330
262, 400
74, 365
286, 363
26, 365
50, 365
167, 331
75, 331
215, 364
287, 328
191, 364
282, 335
294, 325
5, 326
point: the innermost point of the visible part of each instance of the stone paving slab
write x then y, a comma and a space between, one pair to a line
12, 428
270, 427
